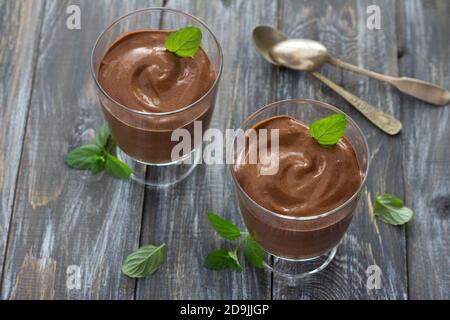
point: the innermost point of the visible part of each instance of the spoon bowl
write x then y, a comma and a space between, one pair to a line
300, 54
265, 38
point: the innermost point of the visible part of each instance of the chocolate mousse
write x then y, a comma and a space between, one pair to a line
311, 180
137, 72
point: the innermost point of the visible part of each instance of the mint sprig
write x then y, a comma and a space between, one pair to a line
184, 42
229, 259
391, 209
329, 130
144, 261
97, 156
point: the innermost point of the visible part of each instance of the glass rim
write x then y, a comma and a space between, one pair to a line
158, 114
318, 216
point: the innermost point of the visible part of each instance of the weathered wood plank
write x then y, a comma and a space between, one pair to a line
177, 215
63, 217
425, 147
341, 26
20, 24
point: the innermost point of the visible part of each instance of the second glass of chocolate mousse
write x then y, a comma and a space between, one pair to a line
298, 198
156, 103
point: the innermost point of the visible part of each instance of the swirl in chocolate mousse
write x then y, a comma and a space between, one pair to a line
310, 180
140, 73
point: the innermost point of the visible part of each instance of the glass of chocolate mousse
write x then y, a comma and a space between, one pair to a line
299, 210
156, 104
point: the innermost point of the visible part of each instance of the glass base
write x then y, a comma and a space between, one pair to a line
294, 270
161, 175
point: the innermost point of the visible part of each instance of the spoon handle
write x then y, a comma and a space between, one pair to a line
379, 118
419, 89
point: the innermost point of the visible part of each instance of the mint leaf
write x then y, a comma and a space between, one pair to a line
253, 253
327, 131
116, 168
101, 136
234, 262
84, 157
144, 261
217, 260
224, 228
391, 209
222, 259
184, 42
98, 165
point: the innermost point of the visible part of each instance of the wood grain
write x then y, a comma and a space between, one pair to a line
64, 217
425, 146
20, 24
52, 217
178, 215
341, 26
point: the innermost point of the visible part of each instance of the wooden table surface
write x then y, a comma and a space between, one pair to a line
52, 217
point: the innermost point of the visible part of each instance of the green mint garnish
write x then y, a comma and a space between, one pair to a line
87, 157
144, 261
222, 259
328, 131
184, 42
253, 253
235, 264
229, 259
223, 227
97, 156
116, 168
102, 136
391, 209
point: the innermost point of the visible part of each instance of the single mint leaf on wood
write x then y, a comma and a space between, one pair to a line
391, 209
116, 168
329, 130
184, 42
144, 261
102, 136
222, 259
253, 253
224, 228
84, 157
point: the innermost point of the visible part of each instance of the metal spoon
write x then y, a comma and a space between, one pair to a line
304, 54
266, 38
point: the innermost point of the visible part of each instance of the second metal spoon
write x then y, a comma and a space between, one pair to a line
304, 54
265, 38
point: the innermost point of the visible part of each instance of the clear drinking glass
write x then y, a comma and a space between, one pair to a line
144, 138
299, 246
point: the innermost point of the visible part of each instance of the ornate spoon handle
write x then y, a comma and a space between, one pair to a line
379, 118
419, 89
